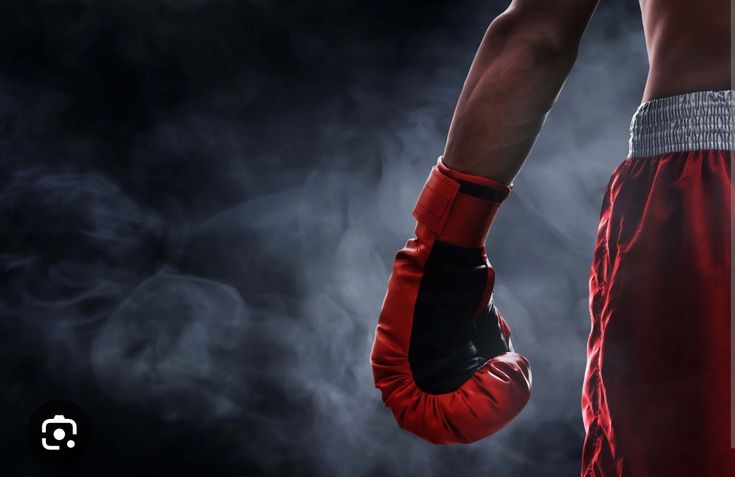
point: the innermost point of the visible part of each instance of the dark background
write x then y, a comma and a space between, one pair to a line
199, 205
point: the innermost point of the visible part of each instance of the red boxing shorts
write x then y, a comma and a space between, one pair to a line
656, 397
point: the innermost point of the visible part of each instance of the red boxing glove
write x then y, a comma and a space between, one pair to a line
442, 356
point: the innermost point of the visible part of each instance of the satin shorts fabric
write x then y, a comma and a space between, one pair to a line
656, 395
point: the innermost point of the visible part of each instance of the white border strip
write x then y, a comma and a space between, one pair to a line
732, 238
699, 121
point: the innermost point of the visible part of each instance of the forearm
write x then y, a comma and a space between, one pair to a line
516, 75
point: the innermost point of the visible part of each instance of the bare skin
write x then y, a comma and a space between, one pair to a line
528, 51
688, 46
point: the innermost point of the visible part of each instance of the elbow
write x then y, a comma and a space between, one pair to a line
552, 52
531, 41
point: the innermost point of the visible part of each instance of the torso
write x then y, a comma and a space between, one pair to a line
688, 45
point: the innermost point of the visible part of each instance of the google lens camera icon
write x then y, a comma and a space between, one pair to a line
61, 430
58, 431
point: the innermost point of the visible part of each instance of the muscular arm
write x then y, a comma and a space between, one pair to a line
515, 77
443, 357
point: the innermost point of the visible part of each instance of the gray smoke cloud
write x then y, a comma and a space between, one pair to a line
200, 206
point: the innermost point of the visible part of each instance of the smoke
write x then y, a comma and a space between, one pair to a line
200, 203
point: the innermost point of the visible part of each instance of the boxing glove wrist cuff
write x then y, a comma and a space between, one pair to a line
456, 207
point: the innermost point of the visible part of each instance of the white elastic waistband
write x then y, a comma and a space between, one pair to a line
689, 122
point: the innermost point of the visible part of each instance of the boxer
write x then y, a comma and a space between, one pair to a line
656, 389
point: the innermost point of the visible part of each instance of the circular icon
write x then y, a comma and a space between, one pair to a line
58, 431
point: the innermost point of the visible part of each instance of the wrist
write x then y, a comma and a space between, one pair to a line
458, 208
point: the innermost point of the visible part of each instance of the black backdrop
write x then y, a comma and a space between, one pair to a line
199, 205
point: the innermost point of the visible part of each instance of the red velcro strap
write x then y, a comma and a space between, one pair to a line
436, 199
451, 215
